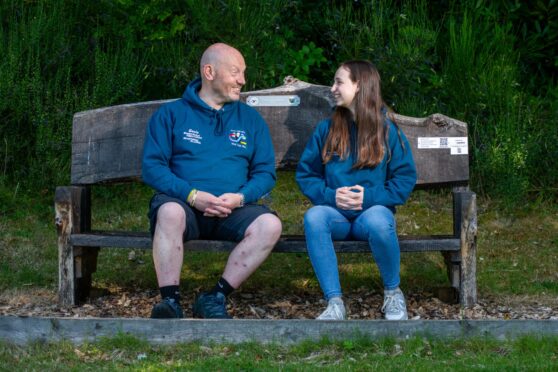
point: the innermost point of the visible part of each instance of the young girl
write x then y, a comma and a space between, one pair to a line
355, 169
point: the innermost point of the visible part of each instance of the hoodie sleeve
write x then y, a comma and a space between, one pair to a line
310, 170
401, 174
261, 175
157, 152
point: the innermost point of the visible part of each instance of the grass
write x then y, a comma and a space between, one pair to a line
516, 260
517, 249
418, 354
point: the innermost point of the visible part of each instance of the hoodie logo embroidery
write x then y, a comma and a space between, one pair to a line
238, 138
193, 136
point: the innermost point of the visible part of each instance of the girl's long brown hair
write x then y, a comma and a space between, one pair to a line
371, 134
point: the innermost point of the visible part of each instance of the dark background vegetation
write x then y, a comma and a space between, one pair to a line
492, 64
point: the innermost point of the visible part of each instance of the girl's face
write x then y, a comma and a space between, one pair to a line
344, 89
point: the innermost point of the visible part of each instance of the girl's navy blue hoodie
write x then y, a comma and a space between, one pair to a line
190, 145
388, 184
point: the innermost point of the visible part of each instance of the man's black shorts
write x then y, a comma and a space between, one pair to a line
199, 226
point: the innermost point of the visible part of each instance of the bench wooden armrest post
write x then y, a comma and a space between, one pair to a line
76, 264
462, 267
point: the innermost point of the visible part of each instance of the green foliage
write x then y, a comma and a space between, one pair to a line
535, 24
301, 61
411, 80
154, 19
48, 74
541, 148
482, 85
491, 64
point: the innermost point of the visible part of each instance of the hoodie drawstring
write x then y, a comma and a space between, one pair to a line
219, 126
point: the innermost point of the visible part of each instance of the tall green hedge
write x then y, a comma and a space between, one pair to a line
491, 64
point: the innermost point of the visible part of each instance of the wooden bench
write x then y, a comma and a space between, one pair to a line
107, 147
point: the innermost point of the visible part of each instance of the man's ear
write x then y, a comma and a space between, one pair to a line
208, 72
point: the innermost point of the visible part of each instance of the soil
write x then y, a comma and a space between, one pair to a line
361, 304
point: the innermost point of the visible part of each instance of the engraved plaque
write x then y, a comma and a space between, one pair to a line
273, 101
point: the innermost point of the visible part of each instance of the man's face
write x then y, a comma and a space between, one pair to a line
229, 79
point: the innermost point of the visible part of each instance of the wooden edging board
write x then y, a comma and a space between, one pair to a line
21, 330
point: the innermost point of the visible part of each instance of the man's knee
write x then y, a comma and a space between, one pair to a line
171, 216
267, 227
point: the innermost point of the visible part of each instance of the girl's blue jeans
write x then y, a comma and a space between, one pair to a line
376, 225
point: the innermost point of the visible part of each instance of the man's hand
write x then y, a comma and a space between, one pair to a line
231, 200
349, 197
211, 206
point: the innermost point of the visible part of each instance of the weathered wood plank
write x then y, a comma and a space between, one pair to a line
67, 205
287, 244
76, 265
20, 331
64, 221
453, 267
107, 143
468, 292
436, 165
453, 259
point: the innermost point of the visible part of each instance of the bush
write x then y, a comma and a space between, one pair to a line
468, 60
48, 75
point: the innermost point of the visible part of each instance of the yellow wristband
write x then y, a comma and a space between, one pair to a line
193, 201
191, 196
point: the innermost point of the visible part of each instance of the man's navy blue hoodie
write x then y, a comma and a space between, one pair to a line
191, 145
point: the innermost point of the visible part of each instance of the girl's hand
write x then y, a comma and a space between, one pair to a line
349, 197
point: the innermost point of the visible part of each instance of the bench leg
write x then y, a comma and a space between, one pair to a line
73, 215
465, 209
468, 237
85, 264
453, 266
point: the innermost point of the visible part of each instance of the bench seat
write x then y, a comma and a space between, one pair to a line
286, 244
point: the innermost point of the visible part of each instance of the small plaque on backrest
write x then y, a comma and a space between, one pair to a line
291, 125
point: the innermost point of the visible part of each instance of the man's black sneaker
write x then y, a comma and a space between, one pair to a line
168, 308
211, 306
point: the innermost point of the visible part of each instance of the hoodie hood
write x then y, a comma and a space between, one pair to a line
219, 118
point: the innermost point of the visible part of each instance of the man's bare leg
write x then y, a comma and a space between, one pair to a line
259, 239
168, 257
168, 248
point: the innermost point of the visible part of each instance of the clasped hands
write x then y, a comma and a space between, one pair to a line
349, 197
217, 206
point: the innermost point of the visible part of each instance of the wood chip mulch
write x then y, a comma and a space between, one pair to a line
362, 304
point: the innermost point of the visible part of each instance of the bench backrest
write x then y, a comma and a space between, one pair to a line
107, 143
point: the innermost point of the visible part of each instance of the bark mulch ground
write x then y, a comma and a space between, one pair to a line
361, 304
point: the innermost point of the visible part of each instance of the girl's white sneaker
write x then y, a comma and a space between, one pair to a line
335, 310
394, 307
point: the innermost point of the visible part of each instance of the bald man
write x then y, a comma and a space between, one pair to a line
210, 159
